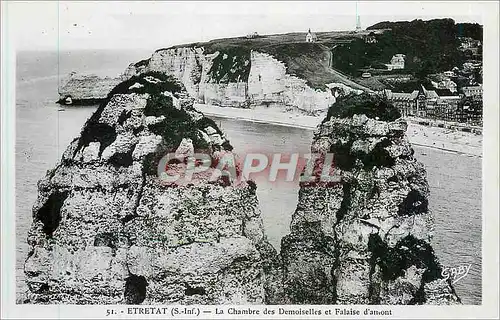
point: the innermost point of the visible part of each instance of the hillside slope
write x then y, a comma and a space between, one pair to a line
429, 46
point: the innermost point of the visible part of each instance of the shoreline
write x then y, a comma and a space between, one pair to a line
419, 135
261, 115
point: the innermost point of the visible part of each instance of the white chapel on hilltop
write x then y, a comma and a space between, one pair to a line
311, 37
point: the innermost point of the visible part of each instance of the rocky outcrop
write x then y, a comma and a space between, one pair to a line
86, 89
106, 229
364, 239
236, 78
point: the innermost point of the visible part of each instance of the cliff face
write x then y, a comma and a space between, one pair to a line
83, 88
365, 239
107, 230
235, 78
209, 78
268, 83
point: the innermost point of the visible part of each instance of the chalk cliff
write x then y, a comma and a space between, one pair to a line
236, 77
365, 239
269, 83
86, 89
107, 230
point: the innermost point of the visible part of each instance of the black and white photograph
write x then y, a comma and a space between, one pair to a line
230, 160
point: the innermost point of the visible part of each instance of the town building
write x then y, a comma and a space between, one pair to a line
311, 36
425, 103
370, 38
405, 102
474, 92
449, 74
467, 43
431, 105
397, 62
252, 35
445, 84
470, 111
443, 108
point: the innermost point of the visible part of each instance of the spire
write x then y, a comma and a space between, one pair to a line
358, 19
423, 89
358, 23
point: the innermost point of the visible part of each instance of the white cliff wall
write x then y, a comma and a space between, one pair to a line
266, 79
186, 64
232, 94
191, 66
268, 82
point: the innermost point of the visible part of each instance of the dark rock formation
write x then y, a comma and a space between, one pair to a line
107, 230
366, 239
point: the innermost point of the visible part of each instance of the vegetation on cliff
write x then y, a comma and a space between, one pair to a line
308, 61
429, 46
142, 63
176, 125
471, 30
372, 106
230, 65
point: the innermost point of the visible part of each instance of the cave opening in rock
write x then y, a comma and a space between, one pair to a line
414, 203
122, 159
124, 115
135, 289
50, 213
191, 291
96, 132
409, 251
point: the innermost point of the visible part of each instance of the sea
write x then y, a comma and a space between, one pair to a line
44, 129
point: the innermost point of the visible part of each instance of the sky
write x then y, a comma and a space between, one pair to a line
60, 25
